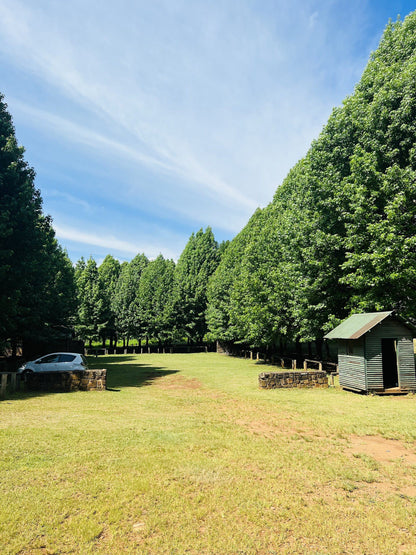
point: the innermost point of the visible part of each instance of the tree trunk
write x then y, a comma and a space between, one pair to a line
318, 343
328, 354
14, 349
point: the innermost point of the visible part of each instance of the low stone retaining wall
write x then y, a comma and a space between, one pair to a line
77, 380
273, 380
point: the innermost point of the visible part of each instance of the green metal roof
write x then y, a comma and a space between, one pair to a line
357, 325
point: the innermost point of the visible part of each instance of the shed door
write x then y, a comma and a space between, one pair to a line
389, 357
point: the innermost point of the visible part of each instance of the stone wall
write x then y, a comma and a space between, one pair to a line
273, 380
77, 380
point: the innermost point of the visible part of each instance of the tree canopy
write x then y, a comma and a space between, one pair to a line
339, 235
37, 292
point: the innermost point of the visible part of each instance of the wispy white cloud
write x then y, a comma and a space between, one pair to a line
70, 200
110, 242
196, 109
152, 135
109, 149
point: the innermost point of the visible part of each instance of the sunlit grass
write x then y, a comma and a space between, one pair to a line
184, 454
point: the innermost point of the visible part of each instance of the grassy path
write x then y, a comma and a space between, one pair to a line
184, 454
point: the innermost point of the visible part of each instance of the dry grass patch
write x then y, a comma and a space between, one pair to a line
178, 382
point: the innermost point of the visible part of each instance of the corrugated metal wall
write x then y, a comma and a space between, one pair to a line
406, 360
351, 364
352, 372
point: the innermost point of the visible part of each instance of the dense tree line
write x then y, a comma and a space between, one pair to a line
340, 233
147, 299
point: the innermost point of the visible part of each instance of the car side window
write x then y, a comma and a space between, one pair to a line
48, 359
66, 358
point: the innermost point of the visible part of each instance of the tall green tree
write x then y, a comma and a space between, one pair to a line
91, 313
222, 282
196, 264
125, 304
109, 272
155, 299
36, 293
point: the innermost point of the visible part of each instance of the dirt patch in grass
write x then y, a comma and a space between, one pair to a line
179, 382
379, 489
381, 449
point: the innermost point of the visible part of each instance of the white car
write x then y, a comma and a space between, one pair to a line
55, 362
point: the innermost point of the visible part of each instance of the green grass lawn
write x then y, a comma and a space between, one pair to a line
184, 454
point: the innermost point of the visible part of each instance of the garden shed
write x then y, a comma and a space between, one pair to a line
375, 353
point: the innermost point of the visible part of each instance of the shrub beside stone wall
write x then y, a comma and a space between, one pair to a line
273, 380
77, 380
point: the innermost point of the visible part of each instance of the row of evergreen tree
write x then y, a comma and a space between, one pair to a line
340, 234
147, 299
338, 237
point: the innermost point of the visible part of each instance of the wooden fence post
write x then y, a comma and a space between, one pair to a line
13, 381
3, 385
305, 365
320, 366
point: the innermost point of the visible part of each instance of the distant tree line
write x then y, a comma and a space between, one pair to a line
147, 299
338, 237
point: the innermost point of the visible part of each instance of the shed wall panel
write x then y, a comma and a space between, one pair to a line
374, 361
406, 361
352, 372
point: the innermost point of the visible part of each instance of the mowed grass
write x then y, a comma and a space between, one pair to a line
184, 454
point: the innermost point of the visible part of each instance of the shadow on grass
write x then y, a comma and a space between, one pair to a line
119, 374
125, 371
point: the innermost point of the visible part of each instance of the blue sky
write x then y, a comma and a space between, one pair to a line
147, 120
